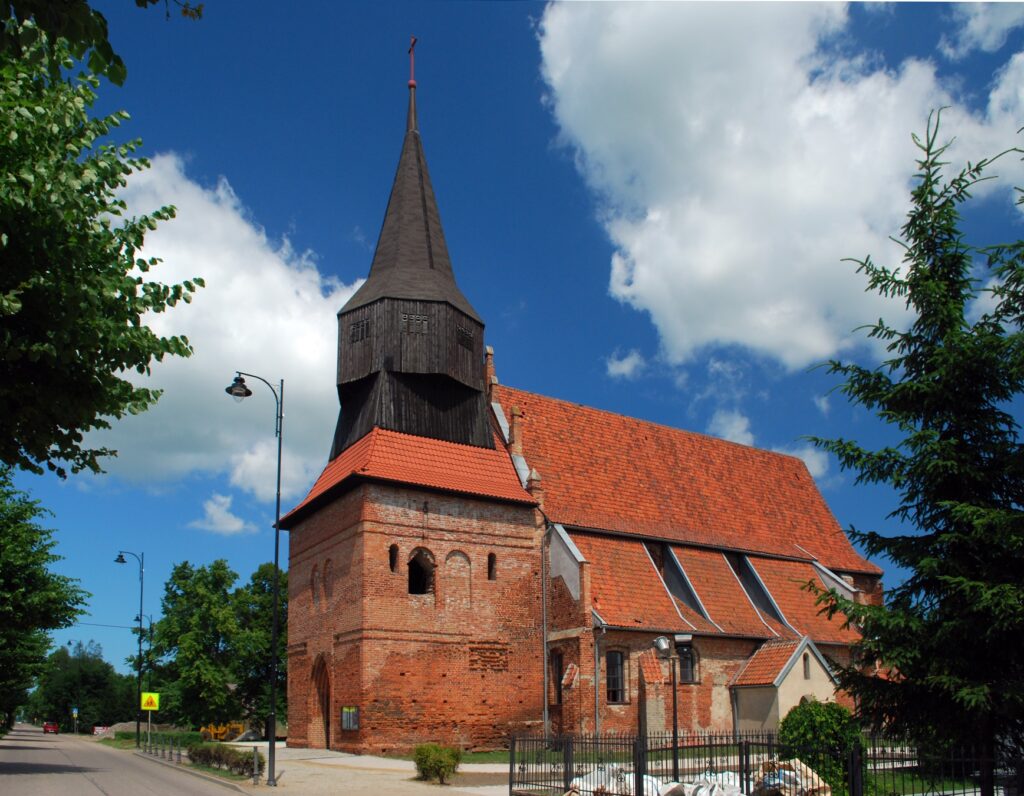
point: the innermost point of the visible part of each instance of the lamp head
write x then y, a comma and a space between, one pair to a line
238, 390
120, 559
662, 644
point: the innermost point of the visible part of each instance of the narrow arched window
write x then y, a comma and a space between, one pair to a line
687, 663
393, 557
314, 585
492, 566
421, 572
615, 676
807, 666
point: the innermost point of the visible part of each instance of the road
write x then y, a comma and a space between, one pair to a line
33, 764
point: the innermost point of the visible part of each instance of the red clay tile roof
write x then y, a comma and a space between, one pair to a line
627, 591
721, 593
764, 665
419, 461
784, 579
651, 667
609, 472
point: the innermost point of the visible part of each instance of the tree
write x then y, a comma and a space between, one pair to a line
84, 28
73, 293
949, 636
196, 638
33, 599
254, 610
79, 677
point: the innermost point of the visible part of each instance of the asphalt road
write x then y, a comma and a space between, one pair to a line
33, 764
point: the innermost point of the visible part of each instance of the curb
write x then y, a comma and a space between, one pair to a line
189, 770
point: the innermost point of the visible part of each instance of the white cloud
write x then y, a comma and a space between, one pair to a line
823, 404
737, 161
219, 519
731, 425
983, 26
815, 459
266, 310
625, 366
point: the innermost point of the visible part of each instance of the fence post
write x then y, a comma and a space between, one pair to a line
639, 765
568, 764
255, 766
745, 766
856, 777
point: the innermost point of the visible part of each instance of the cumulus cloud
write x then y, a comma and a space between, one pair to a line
217, 518
815, 459
731, 425
981, 26
737, 159
266, 309
823, 404
625, 366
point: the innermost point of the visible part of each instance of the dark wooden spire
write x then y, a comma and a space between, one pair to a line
410, 345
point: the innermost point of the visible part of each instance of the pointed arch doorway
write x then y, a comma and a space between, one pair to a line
320, 706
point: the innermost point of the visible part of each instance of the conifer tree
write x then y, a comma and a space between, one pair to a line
949, 638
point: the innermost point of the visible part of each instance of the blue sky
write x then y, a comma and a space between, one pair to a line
648, 204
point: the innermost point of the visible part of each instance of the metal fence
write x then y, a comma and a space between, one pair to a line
753, 764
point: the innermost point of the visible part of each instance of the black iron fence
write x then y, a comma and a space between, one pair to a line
752, 764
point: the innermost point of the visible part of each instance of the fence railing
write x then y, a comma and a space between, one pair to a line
753, 764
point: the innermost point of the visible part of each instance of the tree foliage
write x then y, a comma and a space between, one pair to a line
213, 644
79, 677
73, 292
84, 28
33, 600
949, 636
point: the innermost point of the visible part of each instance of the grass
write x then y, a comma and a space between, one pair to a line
129, 743
119, 743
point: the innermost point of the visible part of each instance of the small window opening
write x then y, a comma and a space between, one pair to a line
492, 566
314, 585
393, 557
807, 666
687, 663
615, 676
421, 573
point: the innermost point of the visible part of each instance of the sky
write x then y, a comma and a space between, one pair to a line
650, 205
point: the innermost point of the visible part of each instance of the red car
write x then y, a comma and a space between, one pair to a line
50, 726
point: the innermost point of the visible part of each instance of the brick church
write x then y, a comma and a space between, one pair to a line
476, 560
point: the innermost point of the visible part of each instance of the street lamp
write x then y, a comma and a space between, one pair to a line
665, 646
141, 558
239, 391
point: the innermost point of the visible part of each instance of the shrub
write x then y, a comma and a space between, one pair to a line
230, 758
436, 762
814, 732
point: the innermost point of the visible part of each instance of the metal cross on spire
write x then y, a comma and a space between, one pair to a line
412, 62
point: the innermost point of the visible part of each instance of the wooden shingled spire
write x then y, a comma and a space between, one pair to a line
410, 345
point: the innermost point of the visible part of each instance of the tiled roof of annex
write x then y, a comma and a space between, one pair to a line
385, 455
605, 471
766, 663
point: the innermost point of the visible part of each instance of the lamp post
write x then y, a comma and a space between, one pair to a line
665, 646
149, 652
141, 558
239, 391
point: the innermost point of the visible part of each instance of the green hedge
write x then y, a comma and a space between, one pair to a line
230, 758
183, 737
436, 762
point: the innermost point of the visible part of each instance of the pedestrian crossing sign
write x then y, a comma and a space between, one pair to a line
150, 700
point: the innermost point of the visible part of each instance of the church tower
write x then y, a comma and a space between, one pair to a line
410, 346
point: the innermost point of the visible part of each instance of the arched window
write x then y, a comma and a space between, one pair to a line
687, 663
492, 566
615, 676
807, 666
393, 557
328, 580
421, 572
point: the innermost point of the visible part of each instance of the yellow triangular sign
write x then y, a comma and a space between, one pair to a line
150, 700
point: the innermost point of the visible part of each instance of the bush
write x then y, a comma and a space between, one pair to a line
230, 758
820, 734
436, 762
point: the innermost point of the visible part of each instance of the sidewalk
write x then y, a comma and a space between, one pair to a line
319, 771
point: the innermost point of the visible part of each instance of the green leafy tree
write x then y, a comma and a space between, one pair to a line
822, 733
79, 677
254, 609
196, 639
73, 292
33, 600
949, 636
83, 27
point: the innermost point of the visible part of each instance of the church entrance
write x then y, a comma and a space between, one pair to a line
320, 707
